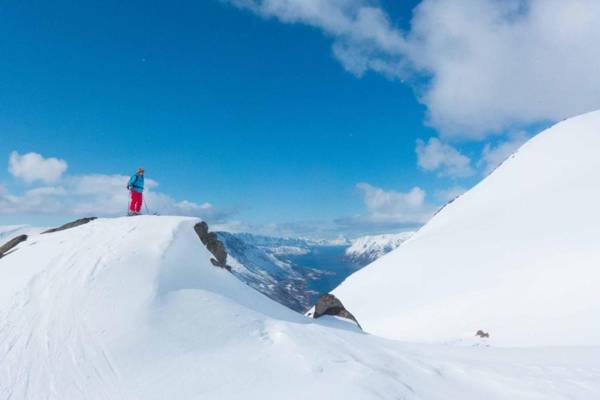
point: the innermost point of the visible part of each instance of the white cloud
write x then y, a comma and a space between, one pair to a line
437, 156
387, 211
489, 64
32, 167
364, 38
98, 195
314, 229
495, 64
449, 194
380, 201
394, 207
493, 156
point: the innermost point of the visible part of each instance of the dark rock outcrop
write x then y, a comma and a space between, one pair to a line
482, 334
70, 225
213, 244
11, 244
328, 304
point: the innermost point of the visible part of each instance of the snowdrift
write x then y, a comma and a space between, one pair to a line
518, 256
131, 308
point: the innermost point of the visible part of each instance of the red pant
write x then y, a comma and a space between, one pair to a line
136, 201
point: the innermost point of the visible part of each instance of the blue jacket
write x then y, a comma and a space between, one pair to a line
136, 183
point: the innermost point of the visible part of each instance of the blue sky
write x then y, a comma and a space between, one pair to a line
239, 105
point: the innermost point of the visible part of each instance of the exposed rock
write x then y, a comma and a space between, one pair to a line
213, 244
257, 263
482, 334
328, 304
11, 244
70, 225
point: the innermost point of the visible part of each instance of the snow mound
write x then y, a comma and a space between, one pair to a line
517, 256
131, 308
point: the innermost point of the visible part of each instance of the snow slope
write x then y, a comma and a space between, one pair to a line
130, 308
367, 249
517, 256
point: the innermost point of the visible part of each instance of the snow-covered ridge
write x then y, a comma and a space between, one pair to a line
289, 250
131, 308
517, 256
294, 243
367, 249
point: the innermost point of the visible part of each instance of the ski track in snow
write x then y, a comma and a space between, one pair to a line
40, 323
132, 309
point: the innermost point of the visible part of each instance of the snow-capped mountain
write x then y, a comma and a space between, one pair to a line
274, 266
272, 243
366, 249
131, 308
258, 261
517, 256
295, 271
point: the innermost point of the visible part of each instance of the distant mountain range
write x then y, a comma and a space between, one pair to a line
259, 262
367, 249
294, 271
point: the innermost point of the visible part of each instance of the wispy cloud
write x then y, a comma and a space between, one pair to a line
363, 36
384, 211
389, 209
434, 155
449, 194
493, 155
94, 194
487, 65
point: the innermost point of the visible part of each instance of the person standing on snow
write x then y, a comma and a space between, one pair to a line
136, 188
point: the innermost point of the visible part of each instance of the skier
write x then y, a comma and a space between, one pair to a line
136, 187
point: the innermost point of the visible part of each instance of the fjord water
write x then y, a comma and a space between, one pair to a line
324, 266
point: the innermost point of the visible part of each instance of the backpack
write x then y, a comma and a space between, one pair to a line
133, 185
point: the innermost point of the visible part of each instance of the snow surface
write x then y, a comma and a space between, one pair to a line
518, 256
131, 308
370, 248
